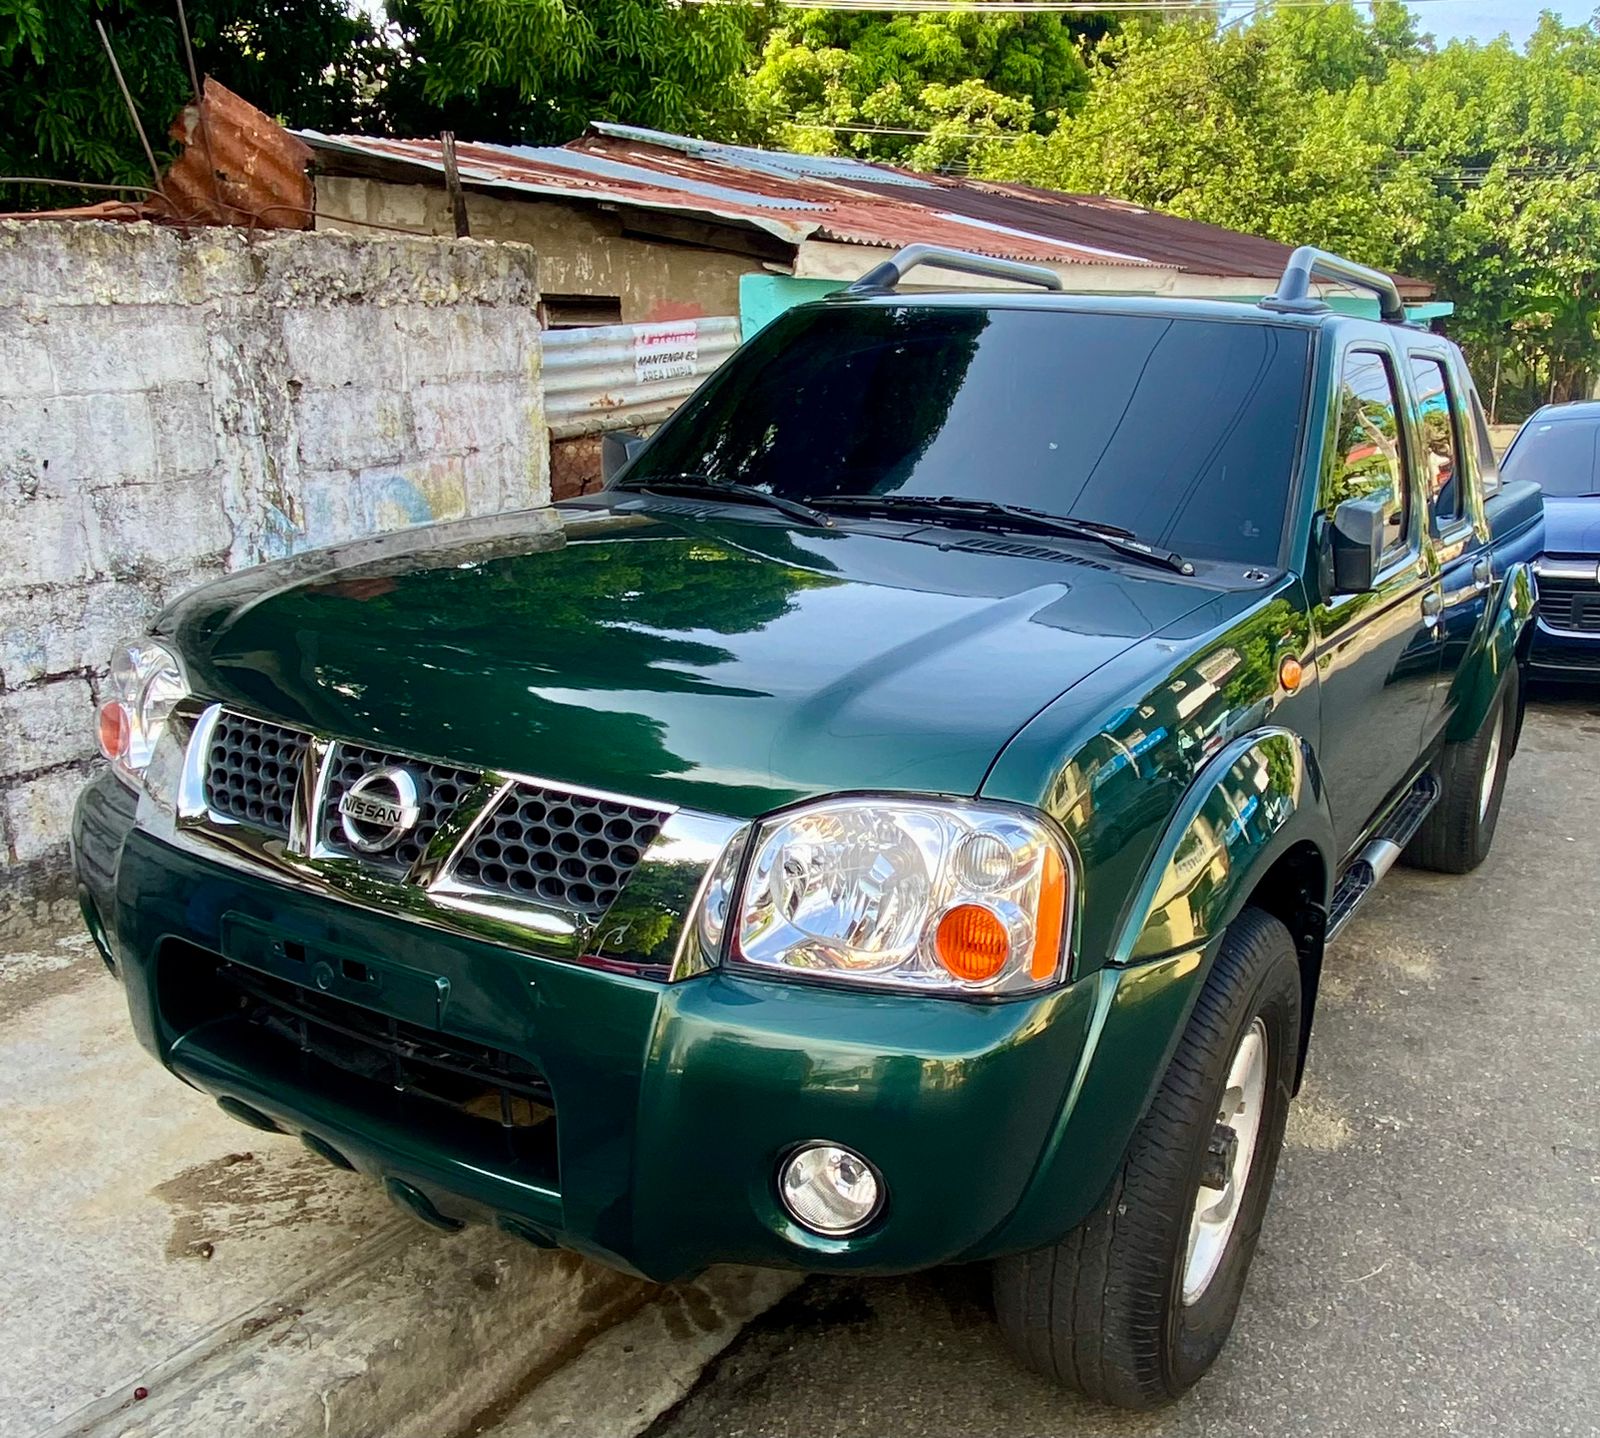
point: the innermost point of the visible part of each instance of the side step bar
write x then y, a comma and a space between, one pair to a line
1375, 860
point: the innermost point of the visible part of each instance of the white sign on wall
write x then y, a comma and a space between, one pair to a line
666, 351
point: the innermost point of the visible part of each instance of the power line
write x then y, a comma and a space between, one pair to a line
794, 124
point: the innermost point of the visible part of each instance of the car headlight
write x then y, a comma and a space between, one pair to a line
930, 896
145, 684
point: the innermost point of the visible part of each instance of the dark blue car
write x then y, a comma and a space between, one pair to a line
1559, 449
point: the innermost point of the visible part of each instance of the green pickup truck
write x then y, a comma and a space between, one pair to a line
898, 821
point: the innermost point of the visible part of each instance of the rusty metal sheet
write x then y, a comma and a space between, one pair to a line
797, 197
606, 377
238, 167
103, 210
1190, 246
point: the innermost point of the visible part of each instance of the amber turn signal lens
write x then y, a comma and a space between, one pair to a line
1290, 672
972, 943
114, 729
1052, 917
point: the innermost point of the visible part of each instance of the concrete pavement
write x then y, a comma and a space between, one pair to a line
1431, 1263
169, 1271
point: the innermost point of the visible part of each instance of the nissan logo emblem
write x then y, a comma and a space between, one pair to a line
379, 809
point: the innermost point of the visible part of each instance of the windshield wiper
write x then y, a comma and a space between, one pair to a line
728, 489
1015, 516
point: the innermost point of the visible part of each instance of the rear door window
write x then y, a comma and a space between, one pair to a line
1488, 461
1438, 417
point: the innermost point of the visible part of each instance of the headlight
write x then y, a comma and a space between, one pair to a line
938, 897
146, 681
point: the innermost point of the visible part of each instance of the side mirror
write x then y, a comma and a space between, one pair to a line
1356, 540
617, 447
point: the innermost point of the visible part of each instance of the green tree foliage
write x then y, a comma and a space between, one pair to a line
913, 89
1474, 166
537, 71
1229, 126
312, 61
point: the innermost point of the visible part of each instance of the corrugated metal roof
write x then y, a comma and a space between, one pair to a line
1187, 245
797, 197
588, 163
531, 171
702, 178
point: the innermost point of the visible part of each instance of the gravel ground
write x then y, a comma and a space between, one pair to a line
1431, 1263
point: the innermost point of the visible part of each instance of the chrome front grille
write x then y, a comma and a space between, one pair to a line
572, 850
441, 789
511, 843
253, 770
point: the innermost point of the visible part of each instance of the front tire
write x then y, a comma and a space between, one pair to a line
1456, 835
1133, 1306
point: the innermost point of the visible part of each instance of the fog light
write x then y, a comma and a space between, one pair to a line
829, 1190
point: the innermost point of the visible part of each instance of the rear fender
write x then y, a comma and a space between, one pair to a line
1499, 645
1251, 806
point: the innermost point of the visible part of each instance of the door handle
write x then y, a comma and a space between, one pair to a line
1431, 604
1483, 574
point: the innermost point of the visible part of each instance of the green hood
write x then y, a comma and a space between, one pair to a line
726, 663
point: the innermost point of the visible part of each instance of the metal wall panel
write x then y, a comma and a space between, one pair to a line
606, 377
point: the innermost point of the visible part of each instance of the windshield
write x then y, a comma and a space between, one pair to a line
1182, 431
1562, 456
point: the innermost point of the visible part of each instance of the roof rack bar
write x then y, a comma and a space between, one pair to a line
1293, 295
888, 275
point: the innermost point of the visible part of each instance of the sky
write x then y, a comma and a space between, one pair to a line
1448, 20
1485, 19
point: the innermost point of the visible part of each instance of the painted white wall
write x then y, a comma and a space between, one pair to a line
176, 406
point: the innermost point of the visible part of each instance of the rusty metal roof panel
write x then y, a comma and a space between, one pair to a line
588, 163
529, 172
1114, 224
1098, 220
238, 166
863, 222
631, 171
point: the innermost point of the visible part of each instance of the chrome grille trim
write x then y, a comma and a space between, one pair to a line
1570, 571
681, 851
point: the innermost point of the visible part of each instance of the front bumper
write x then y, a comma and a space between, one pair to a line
1566, 645
1560, 654
995, 1126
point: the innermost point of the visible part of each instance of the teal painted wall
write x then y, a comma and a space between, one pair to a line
762, 298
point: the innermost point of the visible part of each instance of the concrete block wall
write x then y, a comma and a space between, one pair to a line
176, 406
